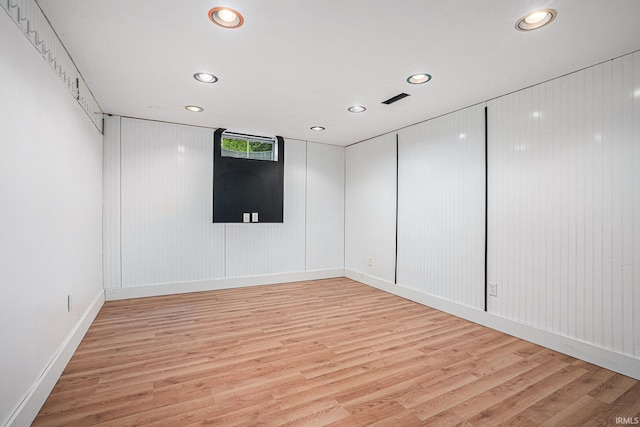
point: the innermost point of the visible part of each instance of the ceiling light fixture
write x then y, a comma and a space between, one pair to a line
205, 77
317, 128
226, 17
194, 108
357, 109
536, 19
418, 79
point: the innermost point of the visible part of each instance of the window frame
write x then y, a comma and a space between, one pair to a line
249, 139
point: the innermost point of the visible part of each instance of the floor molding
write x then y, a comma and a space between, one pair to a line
37, 395
113, 294
608, 359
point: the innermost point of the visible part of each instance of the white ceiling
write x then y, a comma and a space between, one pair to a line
299, 63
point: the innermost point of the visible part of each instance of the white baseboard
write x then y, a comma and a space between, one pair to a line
608, 359
113, 294
37, 395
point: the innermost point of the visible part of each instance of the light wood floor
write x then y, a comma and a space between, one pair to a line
327, 352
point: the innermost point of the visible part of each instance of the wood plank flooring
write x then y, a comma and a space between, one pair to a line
326, 352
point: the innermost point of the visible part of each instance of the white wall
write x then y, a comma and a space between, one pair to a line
325, 207
166, 230
564, 205
158, 204
370, 208
563, 214
441, 198
111, 243
50, 224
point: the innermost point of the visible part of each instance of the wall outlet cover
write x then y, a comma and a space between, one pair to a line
492, 289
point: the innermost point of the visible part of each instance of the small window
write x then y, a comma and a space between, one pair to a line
255, 148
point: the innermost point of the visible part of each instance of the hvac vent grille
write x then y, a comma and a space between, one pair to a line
395, 98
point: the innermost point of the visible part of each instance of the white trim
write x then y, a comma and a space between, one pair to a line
26, 412
113, 294
608, 359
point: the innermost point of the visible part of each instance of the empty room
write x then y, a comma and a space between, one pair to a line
357, 213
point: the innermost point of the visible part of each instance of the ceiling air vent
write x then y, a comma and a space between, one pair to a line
395, 98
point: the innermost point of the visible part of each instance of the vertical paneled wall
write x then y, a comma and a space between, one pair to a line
325, 207
158, 210
441, 198
564, 205
167, 233
112, 271
563, 215
370, 208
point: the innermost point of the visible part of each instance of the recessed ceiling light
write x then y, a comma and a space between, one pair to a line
418, 79
205, 77
318, 128
194, 108
357, 108
536, 19
226, 17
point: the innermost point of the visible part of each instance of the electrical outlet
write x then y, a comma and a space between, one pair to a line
254, 217
69, 302
493, 289
246, 217
370, 261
